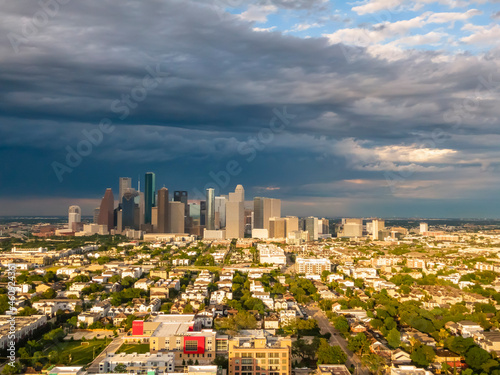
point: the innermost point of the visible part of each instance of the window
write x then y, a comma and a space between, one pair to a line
237, 361
209, 355
236, 367
260, 355
247, 361
191, 345
283, 354
283, 361
221, 345
246, 368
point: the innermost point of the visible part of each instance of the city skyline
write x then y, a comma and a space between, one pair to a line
376, 108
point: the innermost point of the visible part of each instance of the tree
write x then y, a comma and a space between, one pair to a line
53, 356
476, 357
65, 358
374, 363
120, 368
394, 338
49, 294
358, 344
328, 354
114, 278
304, 350
459, 345
358, 283
24, 356
376, 324
342, 324
221, 361
12, 370
423, 355
188, 309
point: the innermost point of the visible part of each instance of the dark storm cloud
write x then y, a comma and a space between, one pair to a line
224, 81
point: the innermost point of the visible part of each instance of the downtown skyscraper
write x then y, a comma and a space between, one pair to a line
149, 195
106, 210
235, 214
210, 219
125, 183
264, 209
163, 214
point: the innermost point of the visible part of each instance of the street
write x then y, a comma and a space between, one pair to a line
325, 326
111, 348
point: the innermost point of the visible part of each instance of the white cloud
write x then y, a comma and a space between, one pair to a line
482, 35
264, 29
258, 13
374, 6
453, 16
408, 158
418, 40
304, 26
379, 33
383, 32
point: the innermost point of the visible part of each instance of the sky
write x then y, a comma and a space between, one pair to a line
384, 108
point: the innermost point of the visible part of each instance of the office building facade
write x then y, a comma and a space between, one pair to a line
162, 211
235, 214
124, 184
149, 195
210, 218
266, 355
106, 210
264, 209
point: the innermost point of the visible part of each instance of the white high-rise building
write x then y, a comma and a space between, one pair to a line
235, 214
74, 216
377, 225
292, 225
424, 227
352, 230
